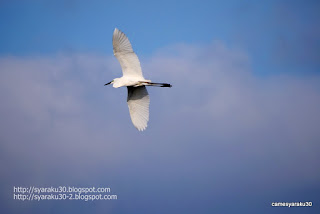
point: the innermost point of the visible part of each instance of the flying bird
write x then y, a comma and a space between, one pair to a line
138, 98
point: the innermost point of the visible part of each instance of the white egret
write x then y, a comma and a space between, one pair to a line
138, 98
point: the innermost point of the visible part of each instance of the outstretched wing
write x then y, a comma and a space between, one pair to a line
138, 103
123, 51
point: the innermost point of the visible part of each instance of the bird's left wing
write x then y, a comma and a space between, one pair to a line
138, 103
123, 51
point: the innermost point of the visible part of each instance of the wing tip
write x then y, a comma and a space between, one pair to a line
116, 30
141, 129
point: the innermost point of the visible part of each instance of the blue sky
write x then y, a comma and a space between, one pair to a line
268, 30
238, 130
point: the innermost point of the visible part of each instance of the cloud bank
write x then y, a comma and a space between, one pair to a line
220, 134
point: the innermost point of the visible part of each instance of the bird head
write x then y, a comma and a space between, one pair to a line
116, 83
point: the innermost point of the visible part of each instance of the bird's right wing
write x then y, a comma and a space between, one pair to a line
138, 103
123, 51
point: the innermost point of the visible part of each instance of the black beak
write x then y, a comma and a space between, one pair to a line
108, 83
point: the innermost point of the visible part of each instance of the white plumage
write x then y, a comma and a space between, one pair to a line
138, 98
138, 102
122, 49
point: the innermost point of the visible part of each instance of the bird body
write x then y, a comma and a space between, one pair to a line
129, 81
138, 98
